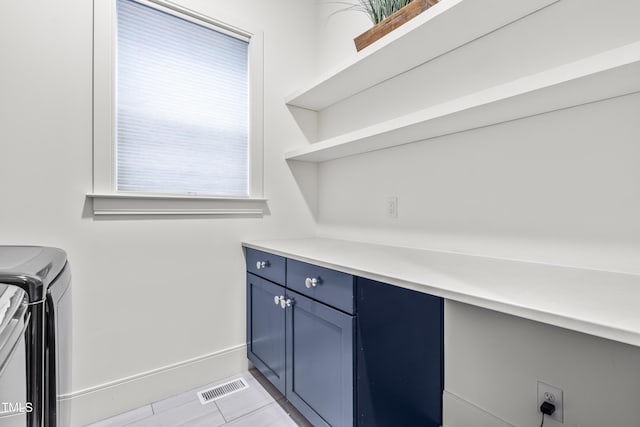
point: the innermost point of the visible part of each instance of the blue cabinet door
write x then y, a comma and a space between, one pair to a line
320, 361
399, 357
266, 329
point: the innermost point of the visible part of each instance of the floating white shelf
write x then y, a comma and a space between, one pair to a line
606, 75
440, 29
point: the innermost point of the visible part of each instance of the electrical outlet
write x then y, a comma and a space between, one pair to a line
392, 207
551, 394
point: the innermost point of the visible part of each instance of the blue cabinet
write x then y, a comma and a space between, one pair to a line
400, 354
266, 329
344, 350
320, 361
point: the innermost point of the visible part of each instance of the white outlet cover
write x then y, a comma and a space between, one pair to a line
543, 388
392, 207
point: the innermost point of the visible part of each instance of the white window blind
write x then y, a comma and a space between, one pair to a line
182, 119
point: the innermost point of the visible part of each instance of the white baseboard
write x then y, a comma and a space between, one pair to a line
461, 413
115, 397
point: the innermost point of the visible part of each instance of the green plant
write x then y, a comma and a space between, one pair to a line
377, 10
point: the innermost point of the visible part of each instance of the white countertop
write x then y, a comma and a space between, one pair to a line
600, 303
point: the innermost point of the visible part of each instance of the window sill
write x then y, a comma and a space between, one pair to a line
151, 204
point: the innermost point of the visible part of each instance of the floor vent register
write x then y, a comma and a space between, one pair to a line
214, 393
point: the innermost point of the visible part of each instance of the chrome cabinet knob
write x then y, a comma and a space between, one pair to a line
261, 264
279, 300
310, 282
284, 303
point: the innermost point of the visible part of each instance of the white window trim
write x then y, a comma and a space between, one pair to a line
108, 201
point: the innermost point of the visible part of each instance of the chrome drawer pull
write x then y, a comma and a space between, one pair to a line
262, 264
285, 303
276, 299
310, 282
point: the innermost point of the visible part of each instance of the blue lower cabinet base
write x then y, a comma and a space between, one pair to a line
345, 351
399, 359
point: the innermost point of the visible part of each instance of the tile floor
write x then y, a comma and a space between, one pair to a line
260, 405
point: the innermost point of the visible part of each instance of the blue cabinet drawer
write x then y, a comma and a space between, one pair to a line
269, 266
331, 287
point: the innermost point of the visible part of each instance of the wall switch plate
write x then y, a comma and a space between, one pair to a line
551, 394
392, 207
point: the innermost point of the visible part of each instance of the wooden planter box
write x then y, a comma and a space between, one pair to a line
390, 23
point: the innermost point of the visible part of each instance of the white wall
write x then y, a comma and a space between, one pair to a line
148, 293
337, 28
555, 188
558, 188
495, 361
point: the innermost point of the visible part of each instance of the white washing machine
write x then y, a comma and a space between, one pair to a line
43, 274
14, 321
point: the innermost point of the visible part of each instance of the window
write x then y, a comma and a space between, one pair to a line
177, 111
182, 105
